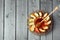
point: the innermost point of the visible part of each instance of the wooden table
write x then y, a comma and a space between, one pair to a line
13, 19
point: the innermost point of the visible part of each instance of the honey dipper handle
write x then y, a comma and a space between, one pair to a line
37, 25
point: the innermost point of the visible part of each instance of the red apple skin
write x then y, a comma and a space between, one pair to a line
36, 30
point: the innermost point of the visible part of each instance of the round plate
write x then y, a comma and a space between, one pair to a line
36, 25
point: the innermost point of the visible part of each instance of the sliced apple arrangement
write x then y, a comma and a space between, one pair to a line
34, 22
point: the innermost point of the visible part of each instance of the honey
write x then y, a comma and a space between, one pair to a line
39, 26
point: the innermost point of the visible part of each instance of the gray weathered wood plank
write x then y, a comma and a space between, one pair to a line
46, 5
33, 5
43, 8
1, 19
56, 16
49, 8
21, 25
9, 32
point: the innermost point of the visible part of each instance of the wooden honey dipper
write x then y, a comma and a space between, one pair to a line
56, 8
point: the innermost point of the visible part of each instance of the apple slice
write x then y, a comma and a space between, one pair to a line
45, 15
32, 23
32, 28
47, 23
31, 15
36, 30
40, 14
36, 14
45, 27
41, 30
31, 20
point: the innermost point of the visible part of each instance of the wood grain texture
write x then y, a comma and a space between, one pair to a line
14, 14
1, 19
21, 27
9, 32
33, 5
56, 16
